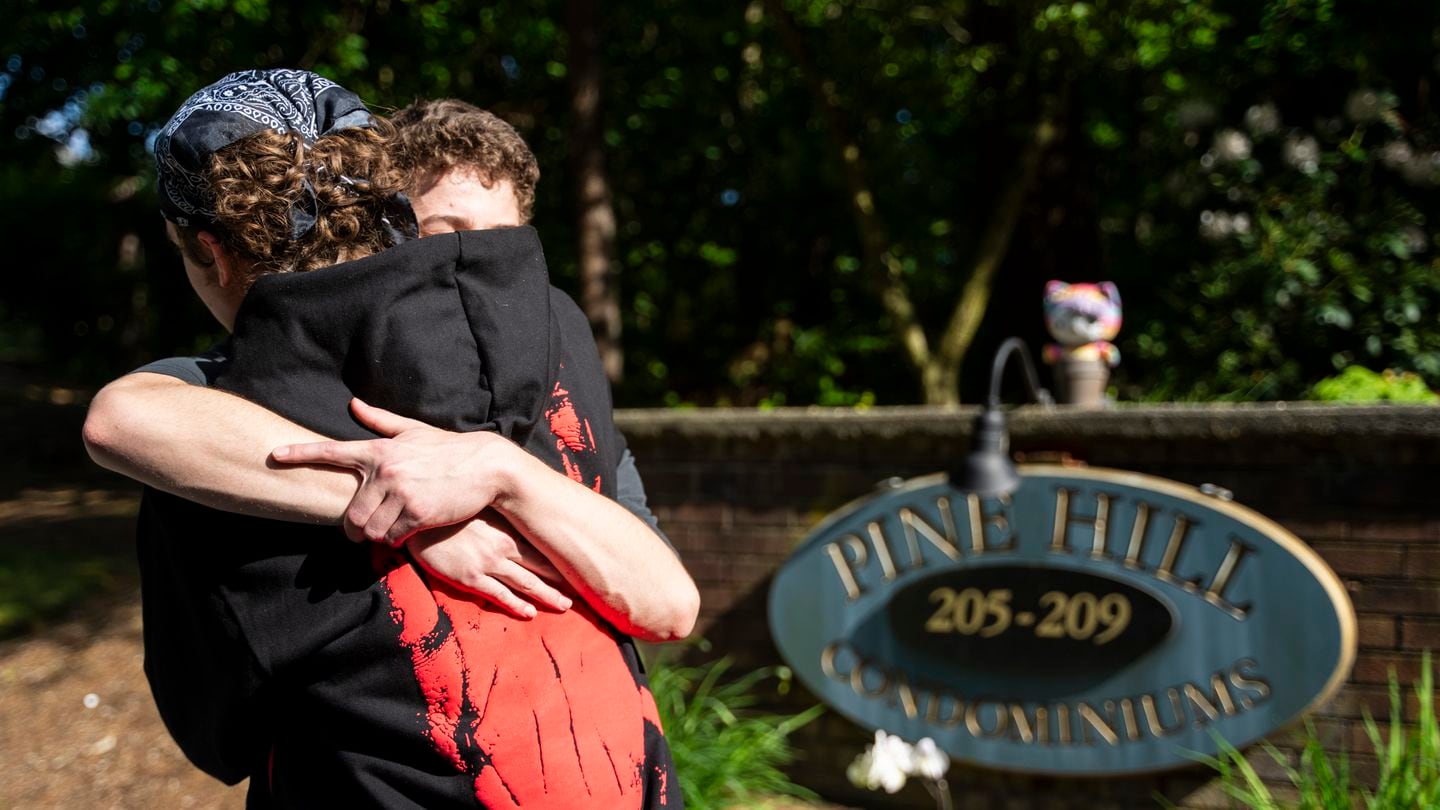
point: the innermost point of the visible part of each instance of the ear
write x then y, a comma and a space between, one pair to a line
1054, 286
1111, 291
226, 270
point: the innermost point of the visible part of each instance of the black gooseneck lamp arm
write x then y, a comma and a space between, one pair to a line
1013, 347
987, 470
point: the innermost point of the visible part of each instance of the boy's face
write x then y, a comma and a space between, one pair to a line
458, 200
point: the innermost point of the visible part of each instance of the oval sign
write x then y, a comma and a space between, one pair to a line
1095, 622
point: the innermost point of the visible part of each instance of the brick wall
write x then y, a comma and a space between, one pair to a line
737, 491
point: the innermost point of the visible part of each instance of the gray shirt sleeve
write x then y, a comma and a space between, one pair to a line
198, 370
630, 492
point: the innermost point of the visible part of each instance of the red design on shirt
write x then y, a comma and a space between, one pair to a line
573, 438
539, 713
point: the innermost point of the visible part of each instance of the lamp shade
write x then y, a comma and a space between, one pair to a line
987, 469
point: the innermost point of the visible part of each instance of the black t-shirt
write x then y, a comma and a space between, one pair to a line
333, 673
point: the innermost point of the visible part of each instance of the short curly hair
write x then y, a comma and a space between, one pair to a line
434, 136
259, 178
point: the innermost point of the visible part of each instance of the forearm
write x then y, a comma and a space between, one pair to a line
210, 447
619, 565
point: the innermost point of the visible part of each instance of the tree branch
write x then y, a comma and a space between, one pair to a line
883, 267
994, 244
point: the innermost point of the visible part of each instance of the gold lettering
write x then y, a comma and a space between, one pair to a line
1222, 693
1215, 594
847, 568
906, 696
1152, 714
882, 550
1020, 726
1062, 714
947, 518
1101, 539
980, 520
1065, 518
932, 710
977, 524
1137, 535
1042, 725
976, 727
1062, 521
857, 680
1204, 709
1090, 718
914, 524
1127, 713
1166, 571
827, 661
1240, 678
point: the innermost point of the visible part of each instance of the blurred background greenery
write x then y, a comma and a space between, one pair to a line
843, 202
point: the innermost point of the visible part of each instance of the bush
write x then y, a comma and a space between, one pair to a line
726, 754
1360, 384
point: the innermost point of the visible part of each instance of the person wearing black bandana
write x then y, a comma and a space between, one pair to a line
328, 671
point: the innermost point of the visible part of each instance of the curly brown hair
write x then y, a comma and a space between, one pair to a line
434, 136
258, 179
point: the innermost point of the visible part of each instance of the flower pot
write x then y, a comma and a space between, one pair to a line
1082, 381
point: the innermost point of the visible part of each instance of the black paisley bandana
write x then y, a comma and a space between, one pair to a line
242, 104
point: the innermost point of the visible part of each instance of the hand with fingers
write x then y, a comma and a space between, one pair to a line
485, 557
418, 477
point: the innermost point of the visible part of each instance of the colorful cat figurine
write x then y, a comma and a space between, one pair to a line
1082, 318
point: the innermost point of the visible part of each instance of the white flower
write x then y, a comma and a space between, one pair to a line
1262, 119
1422, 169
859, 771
1414, 237
1303, 153
892, 760
1195, 113
1230, 146
930, 762
885, 765
1240, 223
1366, 105
1396, 154
885, 775
1216, 225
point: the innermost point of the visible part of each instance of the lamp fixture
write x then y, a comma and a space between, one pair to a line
987, 469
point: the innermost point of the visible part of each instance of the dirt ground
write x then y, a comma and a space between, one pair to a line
77, 725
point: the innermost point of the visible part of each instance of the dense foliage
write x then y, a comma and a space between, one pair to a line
833, 201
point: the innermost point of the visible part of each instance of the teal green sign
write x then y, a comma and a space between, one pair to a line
1095, 622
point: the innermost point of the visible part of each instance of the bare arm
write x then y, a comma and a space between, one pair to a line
214, 448
422, 477
211, 447
622, 568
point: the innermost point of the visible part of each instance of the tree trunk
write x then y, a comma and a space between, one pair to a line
595, 215
941, 382
974, 298
937, 364
875, 256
